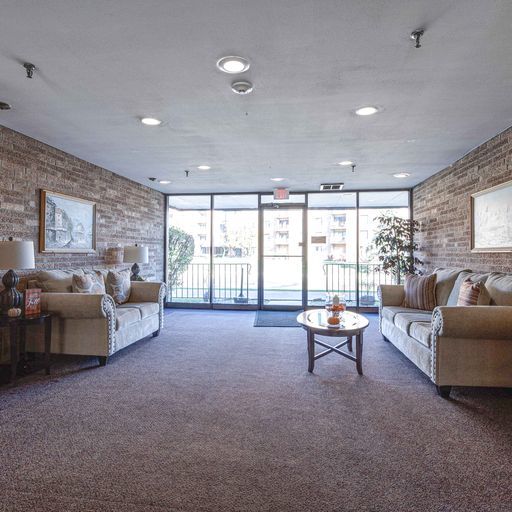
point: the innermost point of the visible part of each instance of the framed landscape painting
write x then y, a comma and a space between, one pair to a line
491, 219
66, 224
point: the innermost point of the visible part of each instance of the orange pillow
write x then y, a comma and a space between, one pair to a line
471, 294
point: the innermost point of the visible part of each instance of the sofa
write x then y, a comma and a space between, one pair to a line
454, 345
93, 324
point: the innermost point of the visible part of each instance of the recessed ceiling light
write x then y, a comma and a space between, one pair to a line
150, 121
277, 179
164, 182
233, 64
345, 162
366, 111
401, 175
204, 167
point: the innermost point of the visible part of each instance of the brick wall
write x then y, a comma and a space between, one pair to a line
126, 212
442, 205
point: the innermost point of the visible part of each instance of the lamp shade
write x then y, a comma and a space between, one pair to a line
16, 254
136, 254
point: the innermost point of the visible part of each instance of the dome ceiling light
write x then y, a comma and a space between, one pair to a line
233, 64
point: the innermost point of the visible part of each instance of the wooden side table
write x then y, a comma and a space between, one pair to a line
18, 334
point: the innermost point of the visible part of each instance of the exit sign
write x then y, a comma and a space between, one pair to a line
281, 193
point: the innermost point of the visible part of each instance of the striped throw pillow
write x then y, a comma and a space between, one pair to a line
471, 293
420, 292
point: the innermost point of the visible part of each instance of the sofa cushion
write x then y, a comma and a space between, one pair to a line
146, 308
420, 292
476, 277
422, 332
88, 283
404, 320
127, 316
118, 285
446, 278
57, 281
389, 312
499, 287
473, 294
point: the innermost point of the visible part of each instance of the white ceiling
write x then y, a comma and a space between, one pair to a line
102, 65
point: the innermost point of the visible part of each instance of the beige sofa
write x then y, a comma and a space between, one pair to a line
454, 345
92, 324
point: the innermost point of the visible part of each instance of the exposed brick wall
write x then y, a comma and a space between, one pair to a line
126, 212
442, 206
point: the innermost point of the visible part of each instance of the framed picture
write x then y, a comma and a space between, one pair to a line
66, 224
491, 219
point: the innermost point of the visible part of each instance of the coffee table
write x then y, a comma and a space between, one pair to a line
351, 324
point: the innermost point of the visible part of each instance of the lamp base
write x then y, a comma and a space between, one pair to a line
10, 297
135, 273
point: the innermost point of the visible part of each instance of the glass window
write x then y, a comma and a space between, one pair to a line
332, 247
188, 251
235, 241
372, 206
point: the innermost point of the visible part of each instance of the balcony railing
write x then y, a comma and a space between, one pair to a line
231, 281
342, 279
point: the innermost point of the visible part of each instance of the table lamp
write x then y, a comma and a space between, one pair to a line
14, 255
136, 254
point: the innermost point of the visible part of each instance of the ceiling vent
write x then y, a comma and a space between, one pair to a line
331, 186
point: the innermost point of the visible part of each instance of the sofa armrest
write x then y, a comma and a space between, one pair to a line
79, 305
485, 322
147, 291
391, 294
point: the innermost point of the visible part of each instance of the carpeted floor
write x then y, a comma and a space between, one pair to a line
276, 319
216, 415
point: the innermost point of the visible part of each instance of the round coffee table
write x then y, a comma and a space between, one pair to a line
351, 324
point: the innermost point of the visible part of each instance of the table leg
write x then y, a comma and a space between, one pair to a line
359, 353
47, 343
311, 351
13, 335
349, 343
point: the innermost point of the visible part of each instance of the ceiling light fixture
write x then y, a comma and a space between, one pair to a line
276, 179
366, 111
164, 182
150, 121
401, 175
345, 162
204, 167
233, 64
4, 106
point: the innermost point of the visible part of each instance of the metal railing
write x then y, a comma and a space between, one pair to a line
342, 279
230, 283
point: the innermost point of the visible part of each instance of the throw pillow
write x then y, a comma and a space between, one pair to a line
119, 285
473, 294
88, 283
420, 292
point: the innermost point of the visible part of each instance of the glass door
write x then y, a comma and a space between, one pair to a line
283, 257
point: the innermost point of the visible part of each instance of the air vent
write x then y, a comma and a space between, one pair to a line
331, 186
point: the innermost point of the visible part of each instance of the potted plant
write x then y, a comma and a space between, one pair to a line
395, 245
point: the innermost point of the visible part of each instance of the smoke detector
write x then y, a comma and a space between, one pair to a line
241, 87
331, 186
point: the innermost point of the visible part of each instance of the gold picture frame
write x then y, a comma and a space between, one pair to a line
67, 224
491, 219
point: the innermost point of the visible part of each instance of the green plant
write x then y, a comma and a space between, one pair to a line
181, 251
395, 245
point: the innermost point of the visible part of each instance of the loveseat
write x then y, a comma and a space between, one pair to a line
93, 324
454, 345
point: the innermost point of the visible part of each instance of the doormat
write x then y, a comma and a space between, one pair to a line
276, 319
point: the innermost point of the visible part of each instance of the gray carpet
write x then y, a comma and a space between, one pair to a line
215, 415
276, 319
